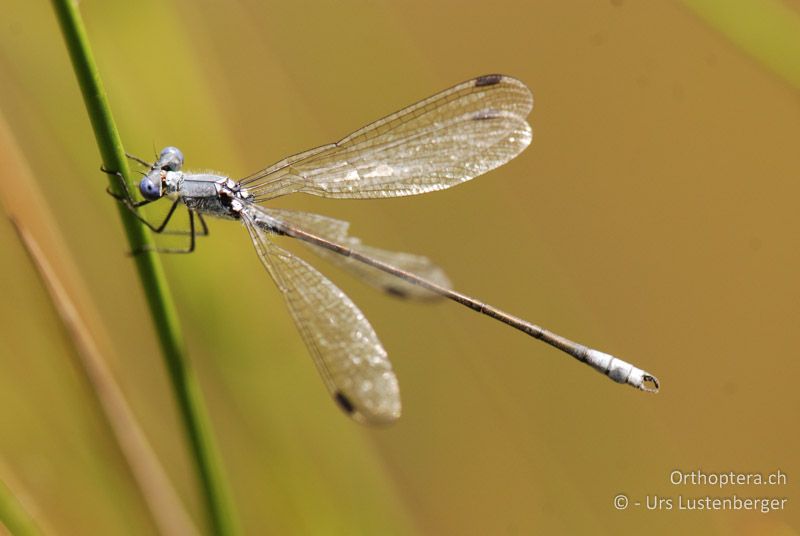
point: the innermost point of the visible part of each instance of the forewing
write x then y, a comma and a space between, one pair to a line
345, 348
437, 143
335, 231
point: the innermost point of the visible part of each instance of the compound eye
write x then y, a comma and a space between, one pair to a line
171, 159
149, 189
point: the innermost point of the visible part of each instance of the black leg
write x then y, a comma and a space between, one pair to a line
202, 232
168, 217
126, 197
203, 225
139, 160
192, 235
156, 229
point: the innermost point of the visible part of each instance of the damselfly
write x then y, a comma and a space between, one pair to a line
437, 143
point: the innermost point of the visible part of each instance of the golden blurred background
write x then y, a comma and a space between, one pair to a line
654, 217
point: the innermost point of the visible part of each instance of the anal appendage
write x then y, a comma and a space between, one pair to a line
621, 371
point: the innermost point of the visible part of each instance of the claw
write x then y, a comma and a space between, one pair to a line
116, 196
109, 172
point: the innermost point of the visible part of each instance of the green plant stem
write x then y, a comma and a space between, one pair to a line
184, 382
14, 516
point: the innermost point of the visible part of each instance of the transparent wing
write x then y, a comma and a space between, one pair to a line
345, 348
437, 143
336, 231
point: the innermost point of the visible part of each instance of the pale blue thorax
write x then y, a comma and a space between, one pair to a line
206, 193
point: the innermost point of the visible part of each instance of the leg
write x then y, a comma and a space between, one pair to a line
126, 197
203, 227
133, 206
139, 160
160, 228
192, 235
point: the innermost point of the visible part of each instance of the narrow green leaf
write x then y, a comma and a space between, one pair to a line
184, 382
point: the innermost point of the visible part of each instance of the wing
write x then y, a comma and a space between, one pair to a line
345, 348
437, 143
336, 231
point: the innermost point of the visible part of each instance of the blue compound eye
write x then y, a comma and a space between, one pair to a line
149, 189
171, 159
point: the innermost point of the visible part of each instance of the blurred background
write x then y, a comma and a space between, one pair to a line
654, 217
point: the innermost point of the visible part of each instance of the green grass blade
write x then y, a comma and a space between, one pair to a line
183, 380
14, 516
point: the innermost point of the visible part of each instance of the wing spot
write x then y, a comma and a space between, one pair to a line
395, 291
344, 402
488, 80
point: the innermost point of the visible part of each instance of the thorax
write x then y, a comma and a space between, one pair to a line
207, 193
